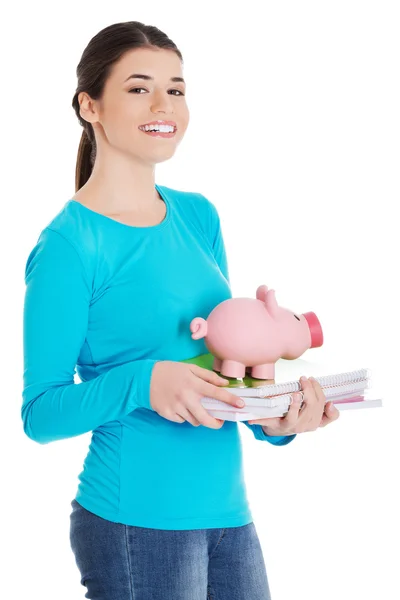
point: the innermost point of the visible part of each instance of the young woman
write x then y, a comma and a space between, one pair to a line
111, 287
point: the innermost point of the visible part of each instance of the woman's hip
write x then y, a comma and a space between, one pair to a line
122, 562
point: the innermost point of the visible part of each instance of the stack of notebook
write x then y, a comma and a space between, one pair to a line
264, 399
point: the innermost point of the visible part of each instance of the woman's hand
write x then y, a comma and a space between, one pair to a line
315, 412
176, 390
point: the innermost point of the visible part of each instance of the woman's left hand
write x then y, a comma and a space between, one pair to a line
315, 412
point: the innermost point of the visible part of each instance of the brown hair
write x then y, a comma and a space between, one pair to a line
96, 62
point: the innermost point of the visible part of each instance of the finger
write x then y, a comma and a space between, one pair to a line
321, 398
282, 424
194, 406
187, 416
321, 401
210, 390
207, 375
287, 423
313, 407
177, 418
290, 420
202, 416
330, 415
183, 414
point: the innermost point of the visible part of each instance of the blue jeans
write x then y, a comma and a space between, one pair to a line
124, 562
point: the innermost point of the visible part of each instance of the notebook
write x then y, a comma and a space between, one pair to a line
349, 390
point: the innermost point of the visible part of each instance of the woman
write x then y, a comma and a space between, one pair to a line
111, 287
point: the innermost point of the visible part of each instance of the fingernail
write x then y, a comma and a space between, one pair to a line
332, 407
303, 379
240, 403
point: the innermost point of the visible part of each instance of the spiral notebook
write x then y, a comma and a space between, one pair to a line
348, 390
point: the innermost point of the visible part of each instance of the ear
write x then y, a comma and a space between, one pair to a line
271, 304
261, 293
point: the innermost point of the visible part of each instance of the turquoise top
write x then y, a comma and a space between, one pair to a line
110, 300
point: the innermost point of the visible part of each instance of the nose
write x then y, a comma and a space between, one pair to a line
317, 337
162, 103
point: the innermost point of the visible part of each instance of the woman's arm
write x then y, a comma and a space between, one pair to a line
56, 309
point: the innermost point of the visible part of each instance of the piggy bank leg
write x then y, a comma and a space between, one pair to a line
217, 362
266, 371
231, 368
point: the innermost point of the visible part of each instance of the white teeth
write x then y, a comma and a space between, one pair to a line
161, 128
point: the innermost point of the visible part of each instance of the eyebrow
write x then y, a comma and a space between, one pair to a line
148, 78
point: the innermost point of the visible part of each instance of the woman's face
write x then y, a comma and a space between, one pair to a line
130, 102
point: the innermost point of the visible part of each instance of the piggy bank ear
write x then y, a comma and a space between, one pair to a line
271, 304
268, 297
261, 293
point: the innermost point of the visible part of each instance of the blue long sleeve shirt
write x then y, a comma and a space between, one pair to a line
107, 301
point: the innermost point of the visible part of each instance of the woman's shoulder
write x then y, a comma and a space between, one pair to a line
66, 235
195, 208
189, 200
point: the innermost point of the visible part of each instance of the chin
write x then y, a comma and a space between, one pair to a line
164, 154
155, 159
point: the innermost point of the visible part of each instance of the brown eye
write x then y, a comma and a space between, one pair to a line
140, 88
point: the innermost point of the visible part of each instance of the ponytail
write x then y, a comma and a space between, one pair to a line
86, 157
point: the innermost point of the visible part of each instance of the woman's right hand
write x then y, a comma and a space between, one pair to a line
176, 389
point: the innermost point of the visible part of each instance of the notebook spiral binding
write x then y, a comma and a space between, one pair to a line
336, 392
325, 381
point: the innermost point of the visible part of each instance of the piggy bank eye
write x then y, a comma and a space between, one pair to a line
297, 317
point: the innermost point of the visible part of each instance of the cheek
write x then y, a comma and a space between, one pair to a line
184, 118
120, 123
120, 135
125, 126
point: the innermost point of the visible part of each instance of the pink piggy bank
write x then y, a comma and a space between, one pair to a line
255, 333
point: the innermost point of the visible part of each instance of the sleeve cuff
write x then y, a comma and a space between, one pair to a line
275, 440
143, 397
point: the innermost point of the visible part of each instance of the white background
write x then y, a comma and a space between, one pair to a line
294, 136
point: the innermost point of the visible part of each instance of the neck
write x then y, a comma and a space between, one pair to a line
121, 183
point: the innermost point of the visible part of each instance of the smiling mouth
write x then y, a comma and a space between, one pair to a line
157, 133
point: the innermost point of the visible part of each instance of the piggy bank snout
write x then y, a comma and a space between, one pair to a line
317, 337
